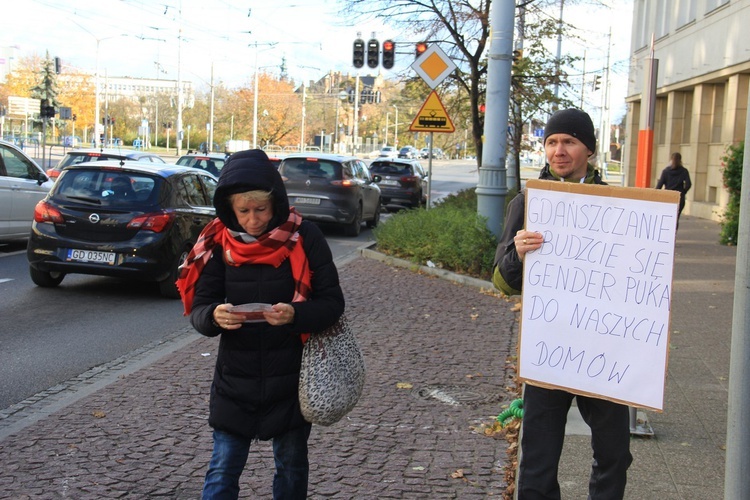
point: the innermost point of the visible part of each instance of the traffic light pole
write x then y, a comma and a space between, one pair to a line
492, 186
355, 127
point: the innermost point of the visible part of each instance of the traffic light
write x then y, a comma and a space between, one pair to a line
420, 48
45, 110
373, 53
389, 54
58, 65
358, 57
517, 55
597, 82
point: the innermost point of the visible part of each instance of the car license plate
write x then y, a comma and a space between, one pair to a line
307, 201
389, 183
91, 256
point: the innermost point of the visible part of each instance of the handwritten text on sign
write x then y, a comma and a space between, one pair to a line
596, 295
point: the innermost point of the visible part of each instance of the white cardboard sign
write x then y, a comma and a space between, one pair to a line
597, 294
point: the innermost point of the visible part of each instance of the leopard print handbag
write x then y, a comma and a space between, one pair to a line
332, 374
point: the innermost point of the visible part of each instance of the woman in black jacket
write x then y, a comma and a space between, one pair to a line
676, 177
258, 250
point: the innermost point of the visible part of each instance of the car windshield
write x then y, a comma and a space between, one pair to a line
304, 168
390, 168
107, 188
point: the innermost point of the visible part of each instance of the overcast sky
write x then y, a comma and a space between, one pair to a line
137, 37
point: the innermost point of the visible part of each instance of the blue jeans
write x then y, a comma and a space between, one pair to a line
230, 455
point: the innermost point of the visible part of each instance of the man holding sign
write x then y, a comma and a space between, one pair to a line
569, 141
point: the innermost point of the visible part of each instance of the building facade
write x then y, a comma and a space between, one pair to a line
703, 53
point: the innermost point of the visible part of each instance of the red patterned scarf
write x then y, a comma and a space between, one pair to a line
272, 248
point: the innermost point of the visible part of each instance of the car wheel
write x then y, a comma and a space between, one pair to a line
45, 279
355, 226
168, 287
375, 218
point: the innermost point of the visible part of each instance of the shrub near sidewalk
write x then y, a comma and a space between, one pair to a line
452, 235
732, 177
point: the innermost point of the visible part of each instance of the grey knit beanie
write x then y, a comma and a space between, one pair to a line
572, 122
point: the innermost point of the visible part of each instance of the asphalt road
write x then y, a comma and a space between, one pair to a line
48, 336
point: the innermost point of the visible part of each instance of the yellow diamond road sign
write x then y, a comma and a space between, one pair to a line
432, 117
433, 66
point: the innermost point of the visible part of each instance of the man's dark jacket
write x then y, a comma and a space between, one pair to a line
507, 273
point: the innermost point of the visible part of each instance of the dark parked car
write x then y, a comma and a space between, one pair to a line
332, 188
22, 184
127, 220
402, 182
408, 152
77, 156
210, 162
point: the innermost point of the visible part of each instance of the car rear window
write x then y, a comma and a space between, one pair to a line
306, 168
107, 187
213, 165
75, 159
389, 168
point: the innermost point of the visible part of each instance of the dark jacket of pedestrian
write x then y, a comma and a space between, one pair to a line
675, 177
254, 391
507, 274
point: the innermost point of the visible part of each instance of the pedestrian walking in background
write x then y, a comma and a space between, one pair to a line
675, 177
258, 250
569, 141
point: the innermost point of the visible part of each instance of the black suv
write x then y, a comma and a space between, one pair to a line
402, 182
332, 188
129, 220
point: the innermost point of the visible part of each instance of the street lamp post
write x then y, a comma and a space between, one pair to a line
395, 128
387, 115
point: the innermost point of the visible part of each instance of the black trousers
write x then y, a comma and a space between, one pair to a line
545, 413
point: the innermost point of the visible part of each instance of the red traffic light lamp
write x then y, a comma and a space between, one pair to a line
420, 48
389, 54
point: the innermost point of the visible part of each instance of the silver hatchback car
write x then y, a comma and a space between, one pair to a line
22, 184
332, 188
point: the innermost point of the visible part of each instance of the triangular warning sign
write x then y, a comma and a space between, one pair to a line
432, 117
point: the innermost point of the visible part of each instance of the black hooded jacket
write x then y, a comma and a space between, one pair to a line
254, 391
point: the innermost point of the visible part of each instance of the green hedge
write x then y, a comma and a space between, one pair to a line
451, 235
732, 177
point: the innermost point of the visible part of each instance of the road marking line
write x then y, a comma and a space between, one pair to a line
3, 280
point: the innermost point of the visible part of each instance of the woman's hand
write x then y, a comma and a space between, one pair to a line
225, 319
527, 241
282, 314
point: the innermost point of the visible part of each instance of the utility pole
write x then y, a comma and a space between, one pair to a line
736, 478
179, 83
492, 186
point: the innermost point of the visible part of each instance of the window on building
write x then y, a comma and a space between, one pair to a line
685, 10
687, 116
714, 4
640, 33
660, 121
717, 116
661, 21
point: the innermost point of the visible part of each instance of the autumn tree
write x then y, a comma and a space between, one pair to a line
460, 26
539, 82
23, 78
